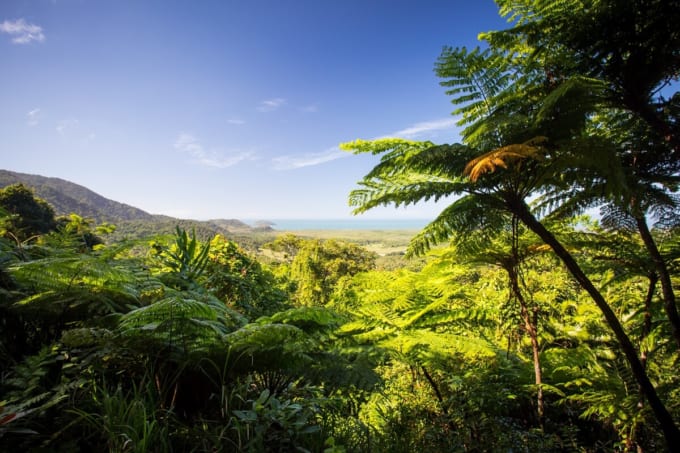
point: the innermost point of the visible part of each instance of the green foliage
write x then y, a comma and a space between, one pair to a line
186, 259
67, 197
115, 359
546, 96
300, 343
82, 229
478, 82
127, 361
123, 422
30, 216
241, 281
318, 266
37, 391
274, 425
180, 324
61, 285
193, 345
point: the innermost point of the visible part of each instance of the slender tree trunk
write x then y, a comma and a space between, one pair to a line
531, 327
646, 329
436, 390
647, 323
664, 277
538, 375
670, 430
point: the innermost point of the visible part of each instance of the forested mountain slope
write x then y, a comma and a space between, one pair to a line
67, 197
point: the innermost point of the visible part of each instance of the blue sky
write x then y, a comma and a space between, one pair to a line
224, 109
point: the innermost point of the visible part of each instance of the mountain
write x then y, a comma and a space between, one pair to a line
67, 197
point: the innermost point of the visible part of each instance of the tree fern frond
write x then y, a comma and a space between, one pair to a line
400, 191
184, 323
305, 318
417, 318
444, 161
379, 316
463, 216
409, 172
253, 338
428, 346
397, 146
473, 78
613, 217
501, 157
462, 317
584, 93
74, 285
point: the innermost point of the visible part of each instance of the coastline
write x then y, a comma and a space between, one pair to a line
282, 225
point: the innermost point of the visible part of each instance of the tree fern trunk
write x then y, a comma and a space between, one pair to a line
647, 322
436, 390
670, 430
646, 329
531, 327
664, 277
533, 336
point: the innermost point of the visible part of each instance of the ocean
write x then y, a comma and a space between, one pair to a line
345, 224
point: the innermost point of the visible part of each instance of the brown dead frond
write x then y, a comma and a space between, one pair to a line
539, 248
501, 157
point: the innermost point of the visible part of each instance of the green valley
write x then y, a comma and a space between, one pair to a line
515, 321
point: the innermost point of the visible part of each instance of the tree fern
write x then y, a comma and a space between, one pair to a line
466, 215
183, 323
66, 285
300, 345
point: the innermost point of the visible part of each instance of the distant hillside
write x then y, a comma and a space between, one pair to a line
67, 197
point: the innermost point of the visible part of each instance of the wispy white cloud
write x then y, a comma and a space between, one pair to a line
426, 127
312, 108
33, 117
190, 145
89, 139
236, 121
22, 32
307, 160
270, 105
64, 126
